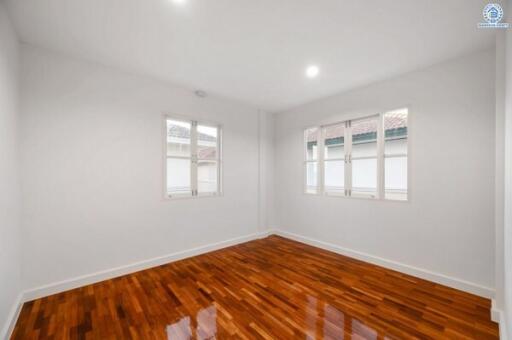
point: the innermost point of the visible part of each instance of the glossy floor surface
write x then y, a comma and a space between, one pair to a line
272, 288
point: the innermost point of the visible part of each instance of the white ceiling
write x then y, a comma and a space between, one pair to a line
256, 51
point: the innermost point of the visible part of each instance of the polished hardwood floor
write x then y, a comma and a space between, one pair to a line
272, 288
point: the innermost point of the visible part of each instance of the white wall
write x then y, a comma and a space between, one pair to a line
448, 226
92, 169
266, 179
506, 327
10, 252
500, 170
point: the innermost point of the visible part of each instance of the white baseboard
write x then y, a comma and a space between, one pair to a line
76, 282
495, 312
403, 268
84, 280
503, 327
12, 318
498, 316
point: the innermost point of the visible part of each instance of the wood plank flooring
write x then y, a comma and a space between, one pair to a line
272, 288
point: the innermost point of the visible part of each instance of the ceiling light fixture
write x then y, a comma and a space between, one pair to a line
312, 71
201, 94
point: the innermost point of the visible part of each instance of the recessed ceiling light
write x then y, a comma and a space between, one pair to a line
312, 71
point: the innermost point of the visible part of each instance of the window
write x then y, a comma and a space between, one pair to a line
311, 159
334, 158
365, 157
193, 158
395, 155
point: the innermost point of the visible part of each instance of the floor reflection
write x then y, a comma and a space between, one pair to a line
322, 320
327, 322
203, 327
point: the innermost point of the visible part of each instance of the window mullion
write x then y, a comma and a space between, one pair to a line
380, 157
219, 160
321, 157
348, 160
193, 155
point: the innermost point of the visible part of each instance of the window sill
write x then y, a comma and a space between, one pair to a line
189, 197
356, 197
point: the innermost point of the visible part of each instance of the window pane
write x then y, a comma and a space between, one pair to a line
364, 177
395, 124
334, 176
311, 140
395, 127
396, 178
395, 146
178, 176
207, 177
178, 138
364, 138
311, 177
395, 168
335, 141
207, 142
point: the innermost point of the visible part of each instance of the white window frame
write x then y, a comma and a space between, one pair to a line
319, 158
346, 138
381, 157
350, 158
194, 159
385, 156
